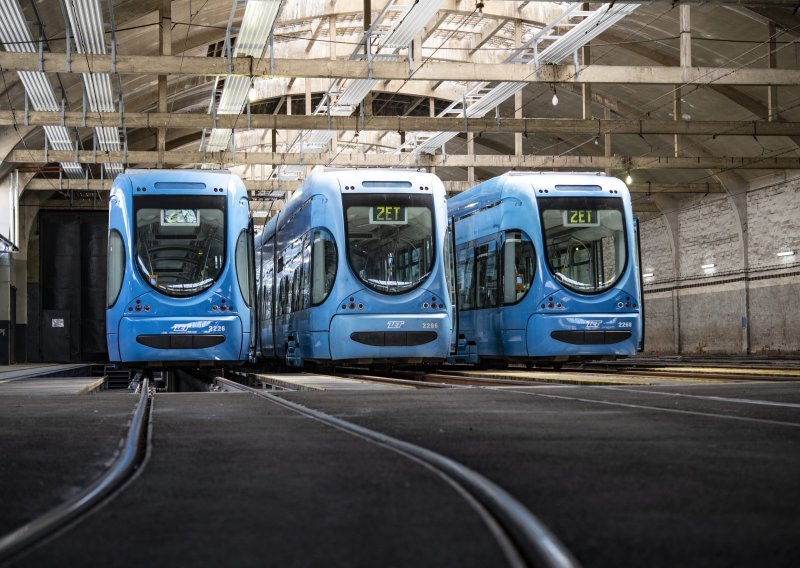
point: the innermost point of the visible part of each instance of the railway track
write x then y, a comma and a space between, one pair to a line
586, 374
131, 457
704, 373
612, 374
523, 538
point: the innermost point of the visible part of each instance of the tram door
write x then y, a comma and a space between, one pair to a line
640, 298
451, 273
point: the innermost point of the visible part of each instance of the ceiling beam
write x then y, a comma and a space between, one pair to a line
597, 127
523, 162
66, 184
390, 70
485, 38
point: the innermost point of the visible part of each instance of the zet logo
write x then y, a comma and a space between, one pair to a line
395, 324
191, 326
593, 324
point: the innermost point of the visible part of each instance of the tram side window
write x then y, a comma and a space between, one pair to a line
305, 270
519, 266
243, 267
466, 277
116, 267
296, 278
486, 275
295, 271
448, 265
324, 263
269, 275
280, 293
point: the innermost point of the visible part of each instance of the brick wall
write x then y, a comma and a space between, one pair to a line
723, 310
657, 251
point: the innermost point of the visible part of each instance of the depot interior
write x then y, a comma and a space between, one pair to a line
696, 106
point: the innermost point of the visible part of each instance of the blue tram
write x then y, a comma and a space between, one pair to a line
180, 270
353, 269
547, 269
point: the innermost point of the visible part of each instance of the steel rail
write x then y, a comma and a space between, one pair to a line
651, 373
733, 377
124, 466
535, 543
417, 384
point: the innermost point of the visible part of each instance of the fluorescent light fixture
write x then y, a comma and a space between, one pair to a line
412, 22
786, 253
707, 266
647, 275
257, 23
482, 99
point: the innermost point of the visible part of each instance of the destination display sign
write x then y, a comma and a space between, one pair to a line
184, 217
388, 215
580, 218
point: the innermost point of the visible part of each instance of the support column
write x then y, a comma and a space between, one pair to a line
518, 94
164, 48
432, 114
586, 90
471, 152
737, 197
5, 309
332, 56
332, 37
686, 63
772, 63
671, 206
686, 40
607, 139
677, 114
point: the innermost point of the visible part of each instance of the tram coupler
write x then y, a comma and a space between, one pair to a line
466, 353
293, 358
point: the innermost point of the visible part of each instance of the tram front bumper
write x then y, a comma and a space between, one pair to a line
397, 336
162, 339
582, 335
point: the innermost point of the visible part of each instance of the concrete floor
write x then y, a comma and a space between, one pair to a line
692, 475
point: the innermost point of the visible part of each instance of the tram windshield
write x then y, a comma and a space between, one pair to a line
585, 241
180, 242
390, 239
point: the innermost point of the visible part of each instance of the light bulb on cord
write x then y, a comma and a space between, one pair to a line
554, 100
251, 94
628, 179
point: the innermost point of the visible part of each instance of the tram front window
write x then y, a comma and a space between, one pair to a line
390, 239
180, 242
585, 241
